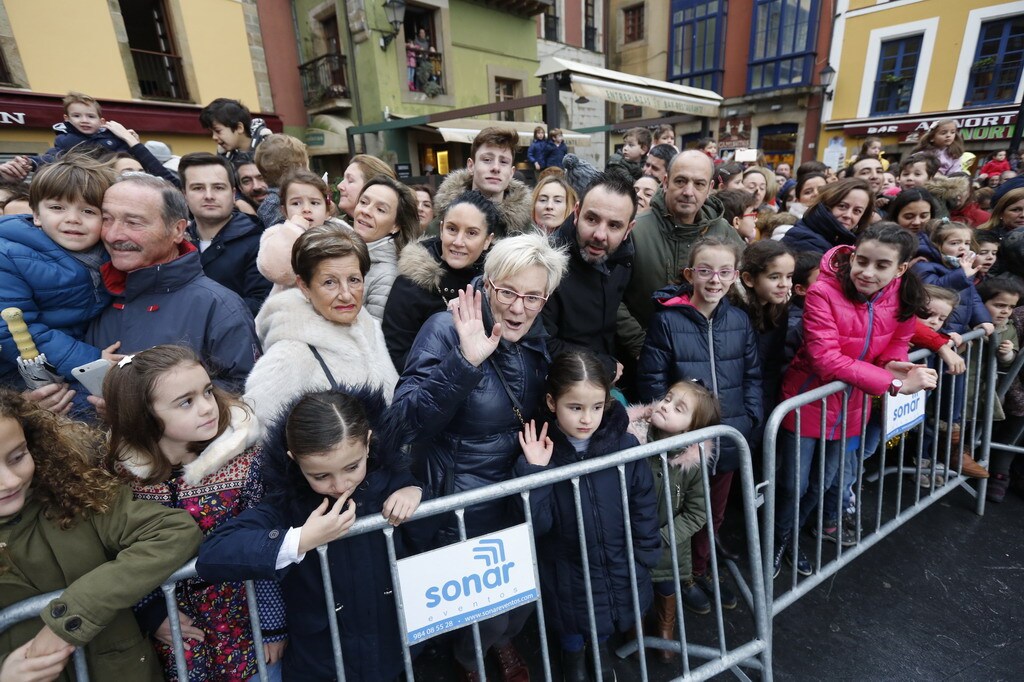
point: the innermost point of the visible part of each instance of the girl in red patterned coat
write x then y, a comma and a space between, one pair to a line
182, 442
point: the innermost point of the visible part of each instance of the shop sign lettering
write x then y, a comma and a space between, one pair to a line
12, 118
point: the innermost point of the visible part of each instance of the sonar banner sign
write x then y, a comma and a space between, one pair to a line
903, 413
454, 586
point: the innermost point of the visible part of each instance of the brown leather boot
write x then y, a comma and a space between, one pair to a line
971, 468
664, 624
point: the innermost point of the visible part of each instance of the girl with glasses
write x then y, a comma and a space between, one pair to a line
696, 333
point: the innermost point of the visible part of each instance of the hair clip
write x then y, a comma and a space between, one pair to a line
699, 382
125, 361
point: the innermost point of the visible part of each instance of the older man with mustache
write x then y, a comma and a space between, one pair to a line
160, 292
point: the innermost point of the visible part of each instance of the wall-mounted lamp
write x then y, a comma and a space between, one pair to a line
395, 10
826, 76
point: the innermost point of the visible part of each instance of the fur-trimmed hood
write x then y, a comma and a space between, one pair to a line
241, 434
421, 262
687, 458
287, 488
515, 208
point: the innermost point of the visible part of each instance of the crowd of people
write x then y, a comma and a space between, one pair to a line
279, 357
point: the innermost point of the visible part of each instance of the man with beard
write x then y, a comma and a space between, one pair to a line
252, 188
160, 294
582, 311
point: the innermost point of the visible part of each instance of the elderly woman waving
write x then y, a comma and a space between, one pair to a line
474, 375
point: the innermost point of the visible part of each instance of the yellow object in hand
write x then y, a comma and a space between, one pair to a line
19, 331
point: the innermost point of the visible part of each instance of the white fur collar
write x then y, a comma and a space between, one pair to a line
242, 433
288, 316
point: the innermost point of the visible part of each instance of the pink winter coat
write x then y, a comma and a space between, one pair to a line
846, 341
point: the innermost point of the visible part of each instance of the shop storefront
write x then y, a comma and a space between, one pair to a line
984, 131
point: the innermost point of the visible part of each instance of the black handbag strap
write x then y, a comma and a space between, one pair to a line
516, 407
323, 365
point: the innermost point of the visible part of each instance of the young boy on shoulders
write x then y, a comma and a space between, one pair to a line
232, 127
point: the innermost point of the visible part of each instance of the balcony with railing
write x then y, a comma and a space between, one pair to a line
425, 70
160, 75
324, 83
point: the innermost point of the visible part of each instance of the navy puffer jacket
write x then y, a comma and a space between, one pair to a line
230, 259
931, 267
818, 231
247, 547
722, 352
467, 434
558, 547
54, 291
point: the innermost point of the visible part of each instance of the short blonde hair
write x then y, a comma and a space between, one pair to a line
81, 98
510, 256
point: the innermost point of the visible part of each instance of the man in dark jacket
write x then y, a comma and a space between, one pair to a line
228, 240
680, 214
160, 292
582, 311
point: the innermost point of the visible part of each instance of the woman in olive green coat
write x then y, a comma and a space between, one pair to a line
67, 525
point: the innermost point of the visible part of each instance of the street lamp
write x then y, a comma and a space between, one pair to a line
395, 10
826, 76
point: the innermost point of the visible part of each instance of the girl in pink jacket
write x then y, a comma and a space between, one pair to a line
858, 320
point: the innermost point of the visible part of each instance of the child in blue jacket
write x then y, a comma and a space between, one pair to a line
696, 333
586, 423
322, 467
50, 267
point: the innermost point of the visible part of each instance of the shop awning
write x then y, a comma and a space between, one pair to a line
326, 135
465, 129
624, 88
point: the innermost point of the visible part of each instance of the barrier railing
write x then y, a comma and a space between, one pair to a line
754, 653
943, 473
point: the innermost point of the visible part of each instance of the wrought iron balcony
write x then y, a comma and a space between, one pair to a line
324, 79
160, 75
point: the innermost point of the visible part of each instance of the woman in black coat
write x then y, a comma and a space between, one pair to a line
432, 271
473, 376
843, 209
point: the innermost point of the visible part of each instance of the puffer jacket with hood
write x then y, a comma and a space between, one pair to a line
558, 546
845, 340
67, 137
817, 231
932, 268
247, 547
465, 430
516, 208
287, 326
424, 285
722, 352
661, 253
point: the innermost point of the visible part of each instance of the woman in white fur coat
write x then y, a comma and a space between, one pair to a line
319, 335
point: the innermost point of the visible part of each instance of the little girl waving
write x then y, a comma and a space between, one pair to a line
68, 525
859, 317
585, 423
322, 465
943, 140
686, 407
164, 412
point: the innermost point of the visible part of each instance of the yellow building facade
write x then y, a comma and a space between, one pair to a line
905, 64
152, 64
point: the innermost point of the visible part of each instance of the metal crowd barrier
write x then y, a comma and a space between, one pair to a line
754, 653
872, 526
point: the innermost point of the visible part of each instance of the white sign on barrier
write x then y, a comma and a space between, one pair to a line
459, 584
902, 413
